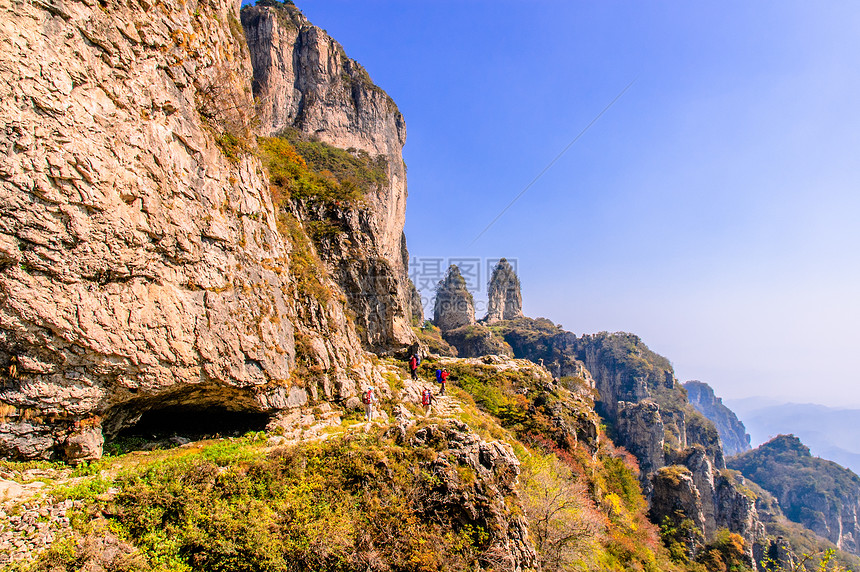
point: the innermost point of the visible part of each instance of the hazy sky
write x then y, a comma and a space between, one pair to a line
712, 210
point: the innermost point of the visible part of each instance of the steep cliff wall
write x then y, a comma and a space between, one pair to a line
304, 81
141, 262
733, 434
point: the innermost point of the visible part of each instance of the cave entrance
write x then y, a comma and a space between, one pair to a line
184, 414
196, 422
176, 425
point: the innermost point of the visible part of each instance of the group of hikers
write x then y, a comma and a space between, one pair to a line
427, 398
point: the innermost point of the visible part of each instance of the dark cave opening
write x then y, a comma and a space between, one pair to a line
174, 425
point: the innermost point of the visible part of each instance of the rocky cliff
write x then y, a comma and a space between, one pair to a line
304, 81
648, 413
143, 264
733, 434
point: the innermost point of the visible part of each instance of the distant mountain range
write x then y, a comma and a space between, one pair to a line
830, 433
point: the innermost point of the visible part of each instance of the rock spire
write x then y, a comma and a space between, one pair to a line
505, 298
454, 304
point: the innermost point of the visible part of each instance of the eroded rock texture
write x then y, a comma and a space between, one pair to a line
640, 430
487, 502
454, 305
303, 80
505, 300
140, 259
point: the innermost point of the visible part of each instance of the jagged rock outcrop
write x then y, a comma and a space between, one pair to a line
505, 301
736, 509
697, 461
481, 504
303, 80
675, 498
624, 369
639, 429
819, 494
543, 342
733, 434
648, 413
454, 306
141, 263
725, 501
477, 340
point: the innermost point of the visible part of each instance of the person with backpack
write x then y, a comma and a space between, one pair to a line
443, 379
369, 399
427, 400
413, 366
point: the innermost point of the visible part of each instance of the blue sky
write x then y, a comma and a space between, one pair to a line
713, 210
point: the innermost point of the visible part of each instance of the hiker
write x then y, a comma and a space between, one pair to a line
427, 400
369, 399
443, 379
413, 367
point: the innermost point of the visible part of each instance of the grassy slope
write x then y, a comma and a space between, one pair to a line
353, 501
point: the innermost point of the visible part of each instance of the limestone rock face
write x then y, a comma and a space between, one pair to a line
84, 445
614, 377
303, 80
675, 496
140, 259
505, 300
699, 464
737, 511
454, 306
733, 434
640, 430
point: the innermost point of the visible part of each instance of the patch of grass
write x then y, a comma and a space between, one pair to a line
85, 490
345, 504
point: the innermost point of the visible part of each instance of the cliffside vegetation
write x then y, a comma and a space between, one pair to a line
581, 493
356, 502
379, 500
431, 337
292, 178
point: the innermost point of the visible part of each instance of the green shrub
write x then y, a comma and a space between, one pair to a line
344, 504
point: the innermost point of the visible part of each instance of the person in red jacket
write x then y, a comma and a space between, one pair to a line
427, 400
413, 366
443, 379
369, 399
